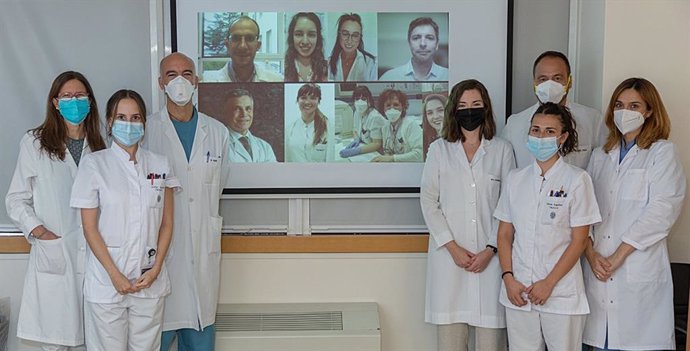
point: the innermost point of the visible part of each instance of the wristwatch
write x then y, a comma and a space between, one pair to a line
493, 248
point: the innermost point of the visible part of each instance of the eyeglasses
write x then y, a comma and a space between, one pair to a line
345, 35
248, 38
70, 96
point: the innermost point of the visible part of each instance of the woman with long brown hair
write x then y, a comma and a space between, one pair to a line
38, 204
307, 139
304, 60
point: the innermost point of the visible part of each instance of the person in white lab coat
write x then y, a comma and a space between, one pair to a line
552, 83
367, 126
460, 187
308, 139
546, 211
402, 137
125, 197
640, 186
349, 61
244, 146
38, 204
197, 147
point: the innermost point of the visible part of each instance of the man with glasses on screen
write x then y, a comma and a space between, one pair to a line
245, 147
243, 41
422, 36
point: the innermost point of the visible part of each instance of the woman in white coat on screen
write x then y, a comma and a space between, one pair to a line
460, 188
545, 210
309, 139
640, 186
125, 196
38, 204
368, 124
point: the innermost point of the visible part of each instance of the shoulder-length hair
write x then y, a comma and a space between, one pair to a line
320, 120
52, 133
318, 62
388, 94
362, 91
451, 130
337, 49
567, 122
656, 126
114, 101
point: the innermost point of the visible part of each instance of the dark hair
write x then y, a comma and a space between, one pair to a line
422, 21
362, 91
656, 126
451, 130
114, 101
239, 92
567, 122
335, 53
241, 18
389, 94
318, 62
52, 133
320, 120
552, 54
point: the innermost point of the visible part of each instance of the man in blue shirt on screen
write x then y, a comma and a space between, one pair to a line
243, 42
422, 36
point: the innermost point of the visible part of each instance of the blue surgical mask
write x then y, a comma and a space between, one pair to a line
542, 148
74, 110
127, 133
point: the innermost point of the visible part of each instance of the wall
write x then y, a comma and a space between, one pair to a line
394, 281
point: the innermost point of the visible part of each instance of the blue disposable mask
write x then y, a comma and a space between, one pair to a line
542, 148
74, 110
127, 133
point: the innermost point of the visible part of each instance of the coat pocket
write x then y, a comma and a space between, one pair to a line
50, 256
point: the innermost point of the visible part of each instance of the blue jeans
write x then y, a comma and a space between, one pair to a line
190, 339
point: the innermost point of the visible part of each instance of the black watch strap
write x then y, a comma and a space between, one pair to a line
494, 248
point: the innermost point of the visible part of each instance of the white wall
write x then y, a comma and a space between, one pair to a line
650, 39
395, 281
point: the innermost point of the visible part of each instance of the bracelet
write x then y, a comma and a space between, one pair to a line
493, 248
507, 272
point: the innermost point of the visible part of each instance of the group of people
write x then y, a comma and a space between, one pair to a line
305, 60
555, 235
107, 224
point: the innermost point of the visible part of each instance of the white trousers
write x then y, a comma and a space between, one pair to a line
532, 330
455, 337
133, 324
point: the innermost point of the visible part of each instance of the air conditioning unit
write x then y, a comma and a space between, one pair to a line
298, 327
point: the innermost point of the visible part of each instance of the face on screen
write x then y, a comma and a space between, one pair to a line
393, 103
308, 104
434, 113
305, 36
423, 43
350, 35
243, 43
241, 113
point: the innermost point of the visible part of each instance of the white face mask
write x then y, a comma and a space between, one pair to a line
361, 105
550, 91
180, 90
627, 120
393, 115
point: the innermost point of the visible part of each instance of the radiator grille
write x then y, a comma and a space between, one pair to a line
298, 321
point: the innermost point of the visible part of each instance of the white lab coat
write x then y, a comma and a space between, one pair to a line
51, 307
405, 143
130, 214
543, 222
458, 200
640, 199
369, 127
364, 68
194, 256
299, 143
590, 133
261, 150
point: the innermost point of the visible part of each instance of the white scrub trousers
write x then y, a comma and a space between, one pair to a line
532, 331
133, 324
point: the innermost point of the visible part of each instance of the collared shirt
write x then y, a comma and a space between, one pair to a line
186, 130
370, 126
363, 69
300, 147
543, 211
404, 141
227, 74
406, 73
625, 148
261, 150
130, 198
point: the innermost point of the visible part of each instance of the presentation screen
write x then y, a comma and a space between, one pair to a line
335, 97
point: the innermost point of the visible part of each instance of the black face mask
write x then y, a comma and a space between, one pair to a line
470, 118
